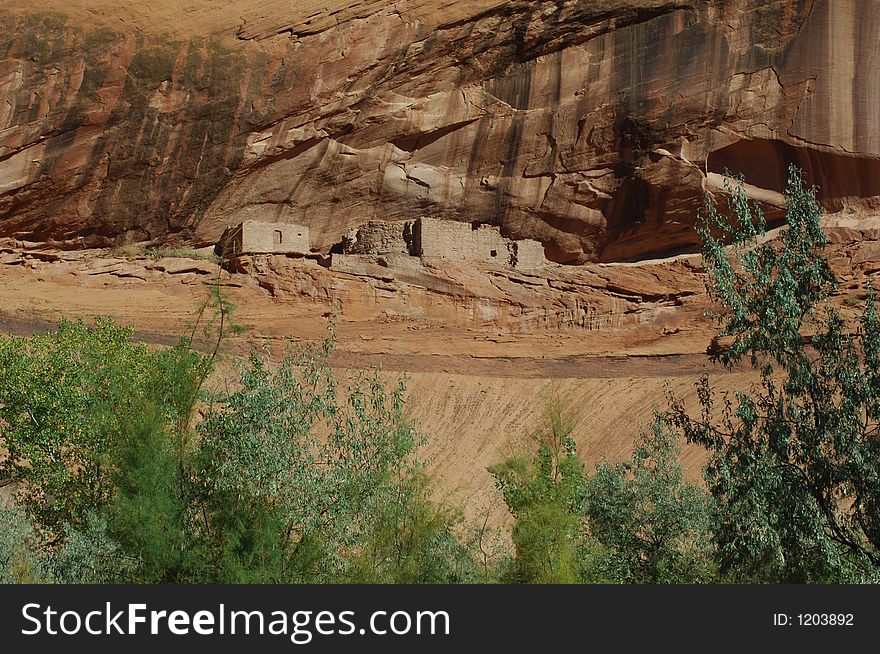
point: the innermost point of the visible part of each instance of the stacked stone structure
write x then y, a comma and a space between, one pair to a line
443, 239
259, 237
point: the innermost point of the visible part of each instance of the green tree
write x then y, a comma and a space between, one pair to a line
794, 461
543, 493
153, 516
307, 484
61, 396
99, 438
655, 527
293, 476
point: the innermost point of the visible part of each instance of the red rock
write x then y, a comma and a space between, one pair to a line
590, 126
866, 252
180, 265
842, 234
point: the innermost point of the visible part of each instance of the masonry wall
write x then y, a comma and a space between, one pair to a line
380, 237
442, 239
259, 237
527, 254
457, 241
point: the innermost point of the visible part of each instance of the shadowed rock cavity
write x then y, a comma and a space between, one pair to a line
839, 178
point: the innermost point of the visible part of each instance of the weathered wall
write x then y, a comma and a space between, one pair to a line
380, 237
587, 125
527, 254
455, 241
278, 238
428, 237
461, 242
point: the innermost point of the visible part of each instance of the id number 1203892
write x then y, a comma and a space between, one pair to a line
813, 620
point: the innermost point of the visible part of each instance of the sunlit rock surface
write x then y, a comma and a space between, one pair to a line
591, 126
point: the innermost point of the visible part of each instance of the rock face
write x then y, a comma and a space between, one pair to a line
592, 126
589, 299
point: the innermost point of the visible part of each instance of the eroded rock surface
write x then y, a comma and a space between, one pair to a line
591, 126
475, 294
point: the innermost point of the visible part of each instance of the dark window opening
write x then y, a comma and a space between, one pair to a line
475, 225
493, 253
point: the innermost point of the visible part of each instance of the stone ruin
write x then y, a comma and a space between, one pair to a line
259, 237
381, 237
457, 241
443, 239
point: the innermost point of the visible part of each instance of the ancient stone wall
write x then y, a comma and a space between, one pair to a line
257, 237
380, 237
458, 241
442, 239
527, 254
461, 241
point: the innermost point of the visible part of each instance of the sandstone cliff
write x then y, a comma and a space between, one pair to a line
590, 125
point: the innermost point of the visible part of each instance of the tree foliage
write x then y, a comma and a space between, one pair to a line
61, 399
293, 476
308, 486
543, 493
654, 525
794, 461
630, 522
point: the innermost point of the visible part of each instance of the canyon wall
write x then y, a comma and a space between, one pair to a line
593, 126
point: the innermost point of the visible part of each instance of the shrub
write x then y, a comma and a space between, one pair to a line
655, 527
285, 504
543, 493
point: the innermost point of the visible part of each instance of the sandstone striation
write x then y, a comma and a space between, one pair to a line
476, 294
592, 127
